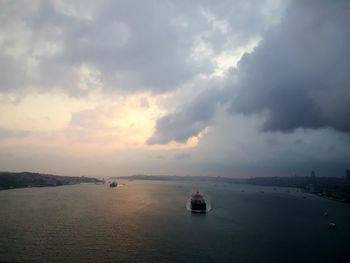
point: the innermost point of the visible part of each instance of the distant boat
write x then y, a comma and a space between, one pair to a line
198, 204
332, 225
113, 184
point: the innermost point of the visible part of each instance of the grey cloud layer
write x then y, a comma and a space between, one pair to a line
187, 122
6, 133
133, 44
298, 76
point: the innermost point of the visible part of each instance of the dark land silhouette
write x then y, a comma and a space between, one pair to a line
10, 180
337, 188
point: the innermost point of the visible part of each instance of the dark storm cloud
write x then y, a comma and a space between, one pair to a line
299, 76
188, 121
135, 45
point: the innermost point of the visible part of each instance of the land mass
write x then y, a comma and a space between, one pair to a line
10, 180
336, 188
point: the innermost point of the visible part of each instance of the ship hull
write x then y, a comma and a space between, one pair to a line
198, 208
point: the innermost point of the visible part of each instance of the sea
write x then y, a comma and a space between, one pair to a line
147, 221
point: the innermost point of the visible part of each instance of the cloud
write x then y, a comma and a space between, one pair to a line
299, 75
11, 73
182, 156
187, 122
6, 133
84, 85
129, 45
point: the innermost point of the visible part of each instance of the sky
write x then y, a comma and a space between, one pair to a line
221, 88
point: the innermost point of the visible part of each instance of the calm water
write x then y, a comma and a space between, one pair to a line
148, 222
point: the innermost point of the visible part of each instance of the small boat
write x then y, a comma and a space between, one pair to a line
198, 204
332, 225
113, 184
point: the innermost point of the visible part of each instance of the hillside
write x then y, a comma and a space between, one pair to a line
10, 180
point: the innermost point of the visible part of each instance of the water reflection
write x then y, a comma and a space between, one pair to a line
146, 221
